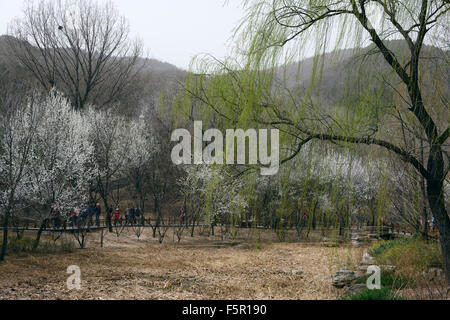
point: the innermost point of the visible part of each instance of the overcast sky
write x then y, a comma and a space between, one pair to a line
173, 31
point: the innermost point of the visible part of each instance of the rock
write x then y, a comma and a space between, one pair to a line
356, 243
355, 236
387, 268
367, 259
368, 238
361, 270
344, 278
297, 272
355, 288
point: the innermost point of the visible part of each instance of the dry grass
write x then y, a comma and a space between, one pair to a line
195, 269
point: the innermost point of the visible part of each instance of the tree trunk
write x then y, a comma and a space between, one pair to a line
158, 216
442, 221
193, 227
38, 236
108, 218
435, 194
5, 236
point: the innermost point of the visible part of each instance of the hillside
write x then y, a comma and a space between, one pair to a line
340, 75
344, 72
154, 76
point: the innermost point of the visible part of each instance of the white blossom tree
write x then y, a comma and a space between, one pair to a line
60, 166
141, 149
18, 129
212, 194
109, 135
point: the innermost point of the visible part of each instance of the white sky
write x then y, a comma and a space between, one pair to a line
173, 31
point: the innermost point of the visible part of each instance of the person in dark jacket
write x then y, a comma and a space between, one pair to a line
55, 216
98, 212
109, 214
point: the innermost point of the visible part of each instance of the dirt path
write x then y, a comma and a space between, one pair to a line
131, 269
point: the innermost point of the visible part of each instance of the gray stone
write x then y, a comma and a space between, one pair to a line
361, 270
355, 236
356, 243
387, 268
367, 259
297, 272
344, 278
355, 288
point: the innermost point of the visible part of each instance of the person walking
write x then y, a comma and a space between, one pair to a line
182, 216
109, 215
98, 212
55, 216
127, 216
132, 215
75, 214
91, 212
140, 217
84, 217
117, 215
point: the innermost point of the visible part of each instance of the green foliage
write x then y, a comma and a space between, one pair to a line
382, 294
409, 254
385, 245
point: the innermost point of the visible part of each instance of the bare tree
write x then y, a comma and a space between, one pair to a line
80, 47
162, 176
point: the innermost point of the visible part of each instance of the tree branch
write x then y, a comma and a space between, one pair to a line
369, 141
444, 136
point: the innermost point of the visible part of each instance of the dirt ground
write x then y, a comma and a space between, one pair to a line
197, 268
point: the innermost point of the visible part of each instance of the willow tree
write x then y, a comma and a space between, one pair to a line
396, 93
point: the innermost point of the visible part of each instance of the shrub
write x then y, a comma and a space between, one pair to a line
382, 247
366, 294
409, 254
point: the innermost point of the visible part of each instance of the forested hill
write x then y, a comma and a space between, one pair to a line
343, 73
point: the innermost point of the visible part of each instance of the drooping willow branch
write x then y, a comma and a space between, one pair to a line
407, 157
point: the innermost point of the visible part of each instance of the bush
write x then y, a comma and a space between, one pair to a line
366, 294
409, 254
382, 247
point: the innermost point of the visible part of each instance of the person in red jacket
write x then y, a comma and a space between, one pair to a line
117, 215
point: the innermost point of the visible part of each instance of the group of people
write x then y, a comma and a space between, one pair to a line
81, 217
91, 216
132, 215
86, 215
